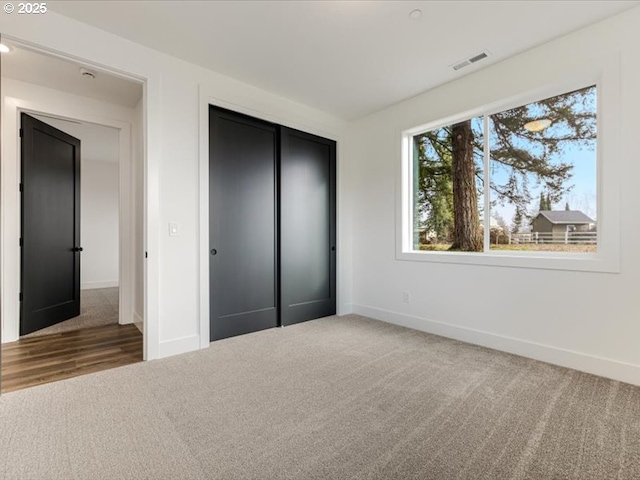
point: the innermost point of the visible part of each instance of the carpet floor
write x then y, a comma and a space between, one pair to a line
98, 307
335, 398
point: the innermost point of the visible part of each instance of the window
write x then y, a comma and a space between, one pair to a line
517, 180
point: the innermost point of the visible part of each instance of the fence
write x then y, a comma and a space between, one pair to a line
578, 238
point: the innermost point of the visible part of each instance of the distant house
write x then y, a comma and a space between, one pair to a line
561, 221
493, 223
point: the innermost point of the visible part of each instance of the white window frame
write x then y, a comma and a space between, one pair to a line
607, 257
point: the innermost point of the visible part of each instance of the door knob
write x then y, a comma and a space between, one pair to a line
77, 249
214, 251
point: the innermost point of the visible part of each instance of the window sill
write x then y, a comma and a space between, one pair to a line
579, 262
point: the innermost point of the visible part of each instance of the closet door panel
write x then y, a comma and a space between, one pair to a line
243, 262
307, 226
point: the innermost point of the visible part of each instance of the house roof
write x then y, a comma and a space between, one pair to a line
561, 217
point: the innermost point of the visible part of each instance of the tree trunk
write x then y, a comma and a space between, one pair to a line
467, 235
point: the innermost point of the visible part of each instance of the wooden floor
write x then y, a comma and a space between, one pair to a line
38, 360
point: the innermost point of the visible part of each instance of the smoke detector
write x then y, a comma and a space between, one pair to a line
471, 60
87, 74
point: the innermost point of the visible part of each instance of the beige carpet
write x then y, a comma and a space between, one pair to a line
97, 307
336, 398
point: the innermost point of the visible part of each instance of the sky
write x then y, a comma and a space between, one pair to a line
582, 195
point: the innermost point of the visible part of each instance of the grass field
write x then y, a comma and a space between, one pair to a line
522, 247
541, 247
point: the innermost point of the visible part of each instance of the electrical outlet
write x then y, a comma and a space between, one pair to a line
406, 296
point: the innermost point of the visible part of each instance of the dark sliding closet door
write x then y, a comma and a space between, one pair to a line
242, 216
307, 226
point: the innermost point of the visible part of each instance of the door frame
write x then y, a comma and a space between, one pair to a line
291, 115
11, 229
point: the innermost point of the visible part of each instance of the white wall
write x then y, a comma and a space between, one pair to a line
591, 320
99, 224
99, 192
17, 95
172, 309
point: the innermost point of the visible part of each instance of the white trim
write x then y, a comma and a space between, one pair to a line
96, 285
347, 309
486, 181
126, 233
203, 221
138, 321
208, 96
264, 110
13, 107
604, 367
605, 73
179, 345
152, 154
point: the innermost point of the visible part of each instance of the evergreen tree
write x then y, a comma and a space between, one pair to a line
566, 206
543, 203
518, 217
453, 155
467, 235
434, 192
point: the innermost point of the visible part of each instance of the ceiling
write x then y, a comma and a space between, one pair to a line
99, 143
60, 74
348, 58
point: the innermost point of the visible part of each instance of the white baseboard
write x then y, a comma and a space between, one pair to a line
604, 367
178, 346
94, 285
138, 321
344, 309
8, 339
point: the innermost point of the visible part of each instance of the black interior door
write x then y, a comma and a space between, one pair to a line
307, 226
50, 226
242, 224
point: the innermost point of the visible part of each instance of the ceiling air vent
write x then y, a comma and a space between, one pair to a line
475, 58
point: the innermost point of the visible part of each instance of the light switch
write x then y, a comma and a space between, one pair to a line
174, 229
